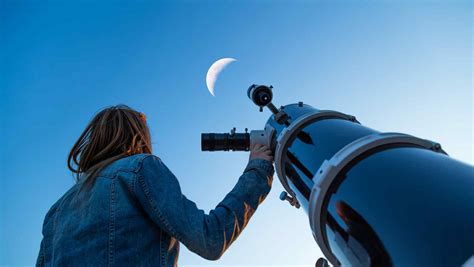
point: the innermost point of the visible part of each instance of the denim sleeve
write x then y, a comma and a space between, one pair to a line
40, 259
47, 228
208, 235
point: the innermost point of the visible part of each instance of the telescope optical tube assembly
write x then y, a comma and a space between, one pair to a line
373, 199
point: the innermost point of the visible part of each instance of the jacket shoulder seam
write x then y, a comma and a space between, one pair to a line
153, 205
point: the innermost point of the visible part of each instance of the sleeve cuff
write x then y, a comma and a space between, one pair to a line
264, 166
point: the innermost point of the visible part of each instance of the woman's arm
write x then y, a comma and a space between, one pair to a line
208, 235
47, 228
40, 259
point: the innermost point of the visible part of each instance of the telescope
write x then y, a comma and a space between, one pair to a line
372, 198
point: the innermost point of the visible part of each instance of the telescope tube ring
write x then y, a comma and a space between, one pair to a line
290, 132
330, 169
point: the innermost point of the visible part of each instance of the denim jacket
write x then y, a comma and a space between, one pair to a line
135, 215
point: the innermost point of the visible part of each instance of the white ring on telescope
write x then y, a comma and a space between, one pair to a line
330, 169
287, 134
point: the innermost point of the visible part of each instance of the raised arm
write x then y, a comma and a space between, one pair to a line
208, 235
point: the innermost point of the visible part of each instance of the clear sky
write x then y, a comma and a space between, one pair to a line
403, 66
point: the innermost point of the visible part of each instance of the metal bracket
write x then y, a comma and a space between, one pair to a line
263, 137
292, 200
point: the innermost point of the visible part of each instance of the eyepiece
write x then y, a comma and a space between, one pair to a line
225, 142
261, 95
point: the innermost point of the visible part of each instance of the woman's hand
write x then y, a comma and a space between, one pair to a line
259, 151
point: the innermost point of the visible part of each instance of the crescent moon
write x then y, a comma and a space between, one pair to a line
214, 70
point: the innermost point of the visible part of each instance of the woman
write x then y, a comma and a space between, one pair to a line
127, 207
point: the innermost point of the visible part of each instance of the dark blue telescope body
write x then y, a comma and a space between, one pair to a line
372, 198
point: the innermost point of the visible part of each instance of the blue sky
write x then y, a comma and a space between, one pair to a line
403, 66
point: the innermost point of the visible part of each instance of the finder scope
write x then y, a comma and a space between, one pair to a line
261, 95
